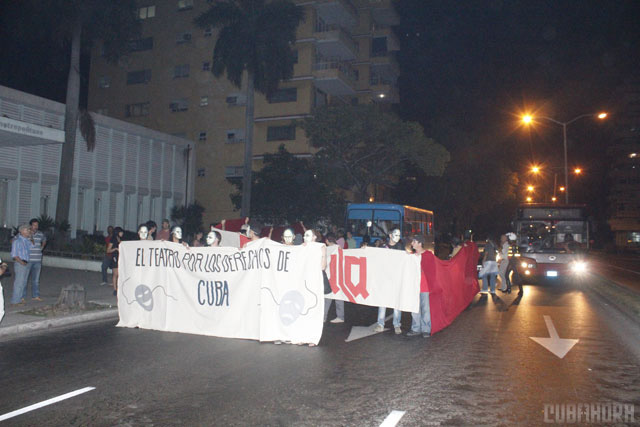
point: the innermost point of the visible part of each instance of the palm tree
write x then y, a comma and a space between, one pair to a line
112, 21
255, 37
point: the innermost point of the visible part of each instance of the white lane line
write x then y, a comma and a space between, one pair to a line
44, 403
392, 419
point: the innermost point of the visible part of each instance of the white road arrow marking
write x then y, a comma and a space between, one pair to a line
358, 332
556, 345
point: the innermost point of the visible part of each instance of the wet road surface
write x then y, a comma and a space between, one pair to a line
484, 369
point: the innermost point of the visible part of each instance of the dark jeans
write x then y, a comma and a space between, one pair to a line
106, 262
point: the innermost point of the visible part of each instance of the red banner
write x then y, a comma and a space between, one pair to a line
451, 284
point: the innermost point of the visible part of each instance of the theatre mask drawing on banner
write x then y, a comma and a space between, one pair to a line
309, 236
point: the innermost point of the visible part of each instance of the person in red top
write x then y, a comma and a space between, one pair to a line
165, 233
421, 322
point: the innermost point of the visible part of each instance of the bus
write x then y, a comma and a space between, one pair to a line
551, 239
379, 219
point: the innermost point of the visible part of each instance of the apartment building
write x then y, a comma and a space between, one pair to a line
624, 175
345, 54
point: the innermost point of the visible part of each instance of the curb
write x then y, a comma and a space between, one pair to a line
25, 328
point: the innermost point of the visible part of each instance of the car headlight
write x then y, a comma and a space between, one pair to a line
579, 267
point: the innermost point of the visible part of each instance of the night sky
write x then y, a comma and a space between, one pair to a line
466, 67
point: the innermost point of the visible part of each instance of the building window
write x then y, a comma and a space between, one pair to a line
204, 101
208, 32
379, 46
235, 136
138, 77
202, 136
206, 66
201, 172
146, 12
104, 82
184, 37
178, 105
181, 71
281, 133
185, 4
233, 171
139, 45
284, 95
137, 110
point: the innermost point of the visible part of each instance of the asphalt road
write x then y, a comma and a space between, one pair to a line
484, 369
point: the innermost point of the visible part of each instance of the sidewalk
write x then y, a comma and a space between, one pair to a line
52, 280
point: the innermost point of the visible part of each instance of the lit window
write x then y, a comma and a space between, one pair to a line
185, 4
178, 105
181, 71
183, 37
137, 110
146, 12
204, 101
104, 82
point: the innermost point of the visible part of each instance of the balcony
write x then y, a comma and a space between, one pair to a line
334, 77
338, 12
333, 41
393, 44
384, 14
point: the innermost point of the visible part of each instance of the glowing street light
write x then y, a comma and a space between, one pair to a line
535, 169
577, 171
527, 119
529, 199
561, 189
530, 188
553, 199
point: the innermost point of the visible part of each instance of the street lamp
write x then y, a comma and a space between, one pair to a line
528, 119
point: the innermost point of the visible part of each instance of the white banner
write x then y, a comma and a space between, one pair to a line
266, 291
378, 277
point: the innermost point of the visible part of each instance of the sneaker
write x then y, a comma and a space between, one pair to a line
103, 284
426, 335
413, 333
379, 328
36, 299
277, 342
397, 330
337, 320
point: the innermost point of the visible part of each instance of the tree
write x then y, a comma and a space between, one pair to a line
255, 37
73, 24
361, 146
189, 218
289, 189
113, 21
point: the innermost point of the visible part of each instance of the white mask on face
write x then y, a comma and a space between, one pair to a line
211, 238
143, 233
309, 236
395, 236
288, 236
177, 232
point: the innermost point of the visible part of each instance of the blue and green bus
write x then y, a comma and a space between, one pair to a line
378, 220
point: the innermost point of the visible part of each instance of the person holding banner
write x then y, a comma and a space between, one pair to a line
113, 250
394, 242
421, 322
331, 241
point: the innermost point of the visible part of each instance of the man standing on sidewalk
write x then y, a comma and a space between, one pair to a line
20, 250
35, 260
106, 260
